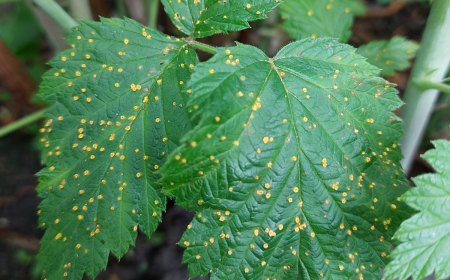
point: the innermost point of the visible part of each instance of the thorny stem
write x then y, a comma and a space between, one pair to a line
21, 123
57, 13
424, 84
153, 8
201, 46
432, 62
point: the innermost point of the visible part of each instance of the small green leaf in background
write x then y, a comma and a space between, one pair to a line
22, 34
389, 55
202, 18
320, 18
293, 169
117, 108
425, 237
19, 29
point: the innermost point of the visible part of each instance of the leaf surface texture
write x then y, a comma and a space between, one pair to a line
283, 168
319, 18
389, 55
202, 18
425, 236
116, 110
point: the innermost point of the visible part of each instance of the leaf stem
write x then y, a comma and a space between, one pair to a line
61, 17
153, 9
425, 84
432, 62
201, 46
80, 9
22, 122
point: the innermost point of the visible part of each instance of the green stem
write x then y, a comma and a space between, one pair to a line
425, 84
80, 9
57, 13
153, 8
21, 123
202, 46
53, 32
432, 62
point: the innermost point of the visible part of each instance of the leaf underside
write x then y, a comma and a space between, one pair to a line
293, 168
116, 111
425, 236
319, 18
389, 55
202, 18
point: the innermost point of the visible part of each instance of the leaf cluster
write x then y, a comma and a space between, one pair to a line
279, 157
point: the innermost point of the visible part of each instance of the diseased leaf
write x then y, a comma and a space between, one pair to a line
202, 18
357, 7
293, 169
117, 110
319, 18
389, 55
425, 236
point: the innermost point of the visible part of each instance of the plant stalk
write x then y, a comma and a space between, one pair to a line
21, 123
51, 8
441, 87
201, 46
80, 9
432, 63
153, 9
54, 33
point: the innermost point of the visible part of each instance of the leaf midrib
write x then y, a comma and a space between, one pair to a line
287, 94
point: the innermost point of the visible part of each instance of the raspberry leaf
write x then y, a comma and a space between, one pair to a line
320, 18
425, 236
293, 169
116, 111
389, 55
202, 18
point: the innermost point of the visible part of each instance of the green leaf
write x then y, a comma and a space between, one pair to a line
283, 168
202, 18
117, 110
389, 55
319, 18
357, 7
425, 236
19, 30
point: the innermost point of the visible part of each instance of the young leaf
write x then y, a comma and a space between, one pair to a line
284, 166
425, 237
202, 18
117, 109
389, 55
319, 18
